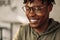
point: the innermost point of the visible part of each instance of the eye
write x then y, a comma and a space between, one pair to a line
37, 8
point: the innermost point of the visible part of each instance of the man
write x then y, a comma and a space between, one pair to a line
41, 27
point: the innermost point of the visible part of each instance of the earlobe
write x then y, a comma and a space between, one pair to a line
50, 7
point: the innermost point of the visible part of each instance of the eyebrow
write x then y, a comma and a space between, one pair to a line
34, 6
40, 5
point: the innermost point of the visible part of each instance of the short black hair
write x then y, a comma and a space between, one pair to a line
48, 1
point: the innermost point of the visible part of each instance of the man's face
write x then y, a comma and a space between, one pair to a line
37, 13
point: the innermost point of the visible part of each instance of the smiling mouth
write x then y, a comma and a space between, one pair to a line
33, 20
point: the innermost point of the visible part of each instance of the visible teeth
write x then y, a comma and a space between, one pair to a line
33, 20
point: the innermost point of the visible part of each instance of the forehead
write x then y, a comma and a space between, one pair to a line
35, 3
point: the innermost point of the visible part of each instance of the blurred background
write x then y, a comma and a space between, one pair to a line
12, 16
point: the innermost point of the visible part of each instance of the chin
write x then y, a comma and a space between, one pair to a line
34, 25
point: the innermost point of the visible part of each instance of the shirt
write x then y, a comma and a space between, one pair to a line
27, 33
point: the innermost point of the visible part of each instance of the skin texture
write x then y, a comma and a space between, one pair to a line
41, 18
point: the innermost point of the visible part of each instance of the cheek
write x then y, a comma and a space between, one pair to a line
43, 12
43, 16
26, 14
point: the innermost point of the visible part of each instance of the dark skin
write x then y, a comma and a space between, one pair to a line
38, 20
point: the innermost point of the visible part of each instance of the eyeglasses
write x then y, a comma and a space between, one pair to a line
34, 9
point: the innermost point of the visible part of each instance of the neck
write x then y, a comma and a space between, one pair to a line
42, 28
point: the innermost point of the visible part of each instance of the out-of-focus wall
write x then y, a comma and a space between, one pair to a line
56, 11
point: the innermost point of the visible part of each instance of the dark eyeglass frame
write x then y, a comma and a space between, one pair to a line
34, 9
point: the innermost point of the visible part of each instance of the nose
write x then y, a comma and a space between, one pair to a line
32, 13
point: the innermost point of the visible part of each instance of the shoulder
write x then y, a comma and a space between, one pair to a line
58, 29
24, 26
20, 32
58, 34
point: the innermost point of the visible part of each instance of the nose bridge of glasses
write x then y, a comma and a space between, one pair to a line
32, 9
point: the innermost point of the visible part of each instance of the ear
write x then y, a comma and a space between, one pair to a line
50, 8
